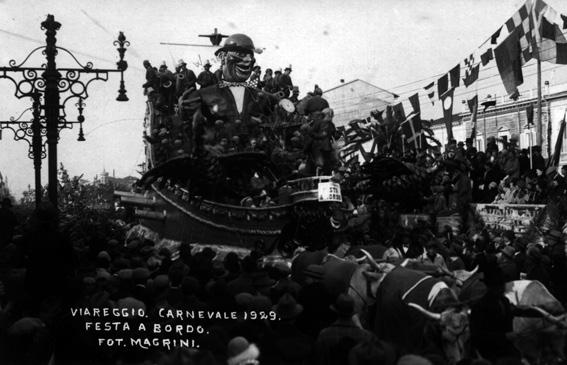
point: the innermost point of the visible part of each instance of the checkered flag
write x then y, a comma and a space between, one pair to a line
523, 23
471, 70
469, 63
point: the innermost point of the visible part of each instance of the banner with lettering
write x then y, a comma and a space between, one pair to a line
515, 217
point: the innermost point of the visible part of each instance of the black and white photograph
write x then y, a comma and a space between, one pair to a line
283, 182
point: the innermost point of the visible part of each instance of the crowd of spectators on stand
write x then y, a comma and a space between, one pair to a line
502, 174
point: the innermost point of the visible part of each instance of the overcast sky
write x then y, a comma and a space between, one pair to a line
386, 42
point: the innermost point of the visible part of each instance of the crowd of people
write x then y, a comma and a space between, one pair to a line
47, 269
499, 175
165, 86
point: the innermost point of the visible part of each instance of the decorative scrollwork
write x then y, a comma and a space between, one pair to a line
87, 66
14, 64
23, 131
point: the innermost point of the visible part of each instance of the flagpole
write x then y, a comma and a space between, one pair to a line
484, 127
531, 153
539, 130
519, 120
549, 126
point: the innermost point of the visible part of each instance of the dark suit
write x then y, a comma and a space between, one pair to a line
219, 104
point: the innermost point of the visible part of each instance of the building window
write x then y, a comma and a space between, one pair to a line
527, 138
503, 134
479, 143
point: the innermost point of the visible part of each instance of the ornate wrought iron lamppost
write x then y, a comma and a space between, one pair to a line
53, 84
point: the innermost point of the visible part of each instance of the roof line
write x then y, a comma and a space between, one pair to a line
366, 82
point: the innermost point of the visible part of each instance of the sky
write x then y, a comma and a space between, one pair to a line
388, 43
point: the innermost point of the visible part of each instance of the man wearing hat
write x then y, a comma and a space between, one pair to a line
431, 255
508, 265
255, 77
294, 98
206, 78
556, 251
277, 77
334, 342
231, 101
185, 78
8, 222
284, 82
292, 345
377, 352
241, 352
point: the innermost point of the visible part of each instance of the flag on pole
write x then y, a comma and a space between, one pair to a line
431, 92
414, 101
522, 24
398, 111
509, 61
553, 44
554, 159
473, 108
471, 70
411, 129
494, 38
447, 100
442, 85
471, 76
486, 57
455, 75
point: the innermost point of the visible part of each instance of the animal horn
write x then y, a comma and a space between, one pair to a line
373, 262
432, 315
548, 316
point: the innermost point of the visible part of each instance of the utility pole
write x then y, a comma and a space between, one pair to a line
54, 84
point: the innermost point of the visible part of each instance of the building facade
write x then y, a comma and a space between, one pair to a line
355, 100
509, 119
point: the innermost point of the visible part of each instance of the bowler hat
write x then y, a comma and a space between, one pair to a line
553, 233
508, 251
344, 305
240, 351
287, 307
372, 352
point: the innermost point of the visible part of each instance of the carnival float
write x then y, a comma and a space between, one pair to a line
220, 159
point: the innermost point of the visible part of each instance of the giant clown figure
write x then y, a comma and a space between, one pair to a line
231, 108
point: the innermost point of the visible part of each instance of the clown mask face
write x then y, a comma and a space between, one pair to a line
237, 66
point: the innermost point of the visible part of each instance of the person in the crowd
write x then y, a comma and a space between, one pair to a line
277, 77
294, 98
152, 80
555, 249
431, 256
507, 263
268, 83
254, 80
284, 82
313, 103
206, 78
185, 78
334, 342
538, 162
8, 222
